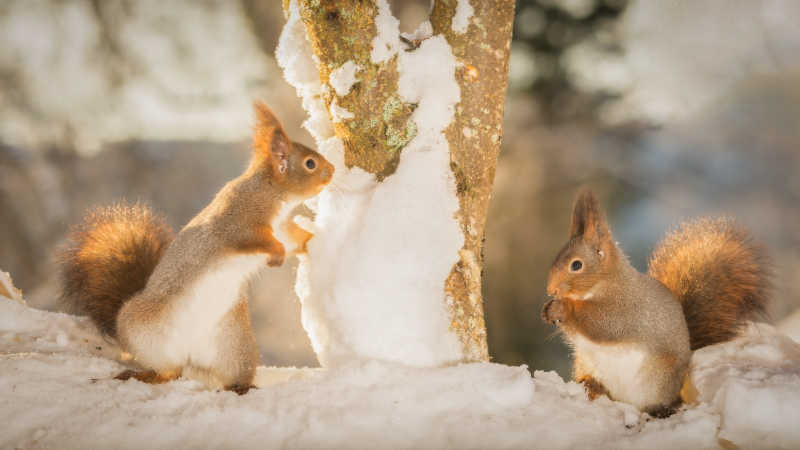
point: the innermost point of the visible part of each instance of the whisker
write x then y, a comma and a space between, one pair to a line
552, 335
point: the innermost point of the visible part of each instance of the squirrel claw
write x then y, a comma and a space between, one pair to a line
545, 307
594, 388
147, 376
240, 389
553, 312
275, 259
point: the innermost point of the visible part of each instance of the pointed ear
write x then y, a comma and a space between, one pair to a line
269, 139
588, 220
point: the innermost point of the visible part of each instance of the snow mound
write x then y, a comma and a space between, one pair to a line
753, 383
58, 392
372, 285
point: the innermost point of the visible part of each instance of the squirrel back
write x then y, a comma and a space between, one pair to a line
719, 275
109, 258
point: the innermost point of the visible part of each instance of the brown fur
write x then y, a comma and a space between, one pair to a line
299, 236
148, 376
139, 298
591, 243
718, 274
605, 306
594, 388
110, 257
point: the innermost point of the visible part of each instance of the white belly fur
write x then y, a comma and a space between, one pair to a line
616, 366
192, 329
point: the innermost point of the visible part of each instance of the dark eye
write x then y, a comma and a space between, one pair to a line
576, 265
311, 164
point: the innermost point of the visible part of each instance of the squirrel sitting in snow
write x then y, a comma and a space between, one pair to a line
633, 334
179, 307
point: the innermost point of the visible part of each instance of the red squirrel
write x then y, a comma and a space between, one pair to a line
632, 333
179, 306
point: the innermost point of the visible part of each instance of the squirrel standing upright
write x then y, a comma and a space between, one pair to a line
179, 307
633, 334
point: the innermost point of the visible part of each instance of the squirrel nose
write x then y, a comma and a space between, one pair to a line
326, 174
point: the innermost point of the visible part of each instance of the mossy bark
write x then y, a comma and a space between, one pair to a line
343, 31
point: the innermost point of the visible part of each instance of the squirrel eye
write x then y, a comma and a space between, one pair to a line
576, 265
310, 164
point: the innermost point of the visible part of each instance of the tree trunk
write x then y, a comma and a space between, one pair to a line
415, 123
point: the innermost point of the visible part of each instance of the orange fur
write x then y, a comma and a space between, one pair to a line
140, 286
266, 128
594, 388
265, 242
109, 258
717, 273
270, 141
299, 236
148, 376
634, 333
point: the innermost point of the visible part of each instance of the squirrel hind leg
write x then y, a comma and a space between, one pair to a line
234, 366
582, 374
594, 388
240, 389
148, 376
664, 411
661, 378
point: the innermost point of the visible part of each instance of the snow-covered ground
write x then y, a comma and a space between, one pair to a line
57, 392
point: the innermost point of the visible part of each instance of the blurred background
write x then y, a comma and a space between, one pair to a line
668, 110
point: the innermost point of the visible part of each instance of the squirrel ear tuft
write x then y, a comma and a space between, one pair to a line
269, 139
588, 220
264, 116
279, 153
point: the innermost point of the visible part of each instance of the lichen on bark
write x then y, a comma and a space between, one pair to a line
343, 31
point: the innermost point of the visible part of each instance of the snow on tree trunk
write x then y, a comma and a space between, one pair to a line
413, 127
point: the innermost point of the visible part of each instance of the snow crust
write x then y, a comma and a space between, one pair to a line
372, 285
344, 77
423, 31
56, 375
754, 383
339, 114
464, 12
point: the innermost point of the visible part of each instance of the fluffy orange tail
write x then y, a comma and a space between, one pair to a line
719, 275
109, 258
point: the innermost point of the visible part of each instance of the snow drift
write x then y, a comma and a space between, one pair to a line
58, 392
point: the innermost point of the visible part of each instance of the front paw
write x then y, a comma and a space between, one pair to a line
302, 245
276, 259
594, 388
299, 234
554, 312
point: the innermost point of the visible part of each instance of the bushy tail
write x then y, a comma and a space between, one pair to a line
720, 276
109, 258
